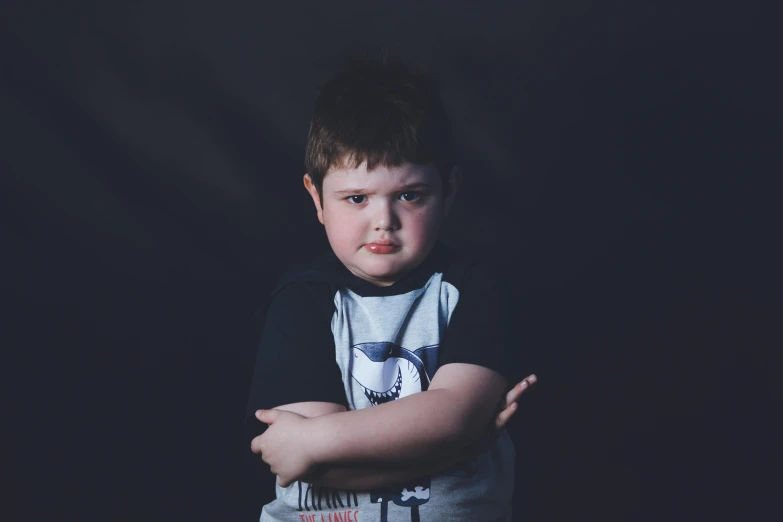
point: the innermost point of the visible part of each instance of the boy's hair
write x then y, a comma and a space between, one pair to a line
382, 112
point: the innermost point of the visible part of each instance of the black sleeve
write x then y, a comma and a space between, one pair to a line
295, 362
296, 356
482, 327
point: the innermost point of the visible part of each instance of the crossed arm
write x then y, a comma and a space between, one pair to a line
391, 443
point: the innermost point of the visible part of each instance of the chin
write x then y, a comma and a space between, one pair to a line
377, 273
377, 267
389, 274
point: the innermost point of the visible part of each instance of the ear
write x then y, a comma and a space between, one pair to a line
310, 186
455, 180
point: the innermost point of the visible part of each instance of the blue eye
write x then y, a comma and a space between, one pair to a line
353, 199
410, 196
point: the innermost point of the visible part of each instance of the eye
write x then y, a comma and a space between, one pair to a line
356, 200
410, 196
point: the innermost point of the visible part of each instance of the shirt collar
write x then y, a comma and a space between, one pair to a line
413, 280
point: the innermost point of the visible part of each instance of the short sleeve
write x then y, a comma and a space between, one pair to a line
481, 328
296, 357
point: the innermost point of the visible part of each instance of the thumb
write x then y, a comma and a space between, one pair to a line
267, 416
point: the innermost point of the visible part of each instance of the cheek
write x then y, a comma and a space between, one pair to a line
424, 224
342, 227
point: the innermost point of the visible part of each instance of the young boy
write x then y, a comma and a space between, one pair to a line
382, 362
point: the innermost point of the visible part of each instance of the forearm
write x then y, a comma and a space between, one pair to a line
426, 427
367, 478
373, 476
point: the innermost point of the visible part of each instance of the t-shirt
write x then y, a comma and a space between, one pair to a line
330, 336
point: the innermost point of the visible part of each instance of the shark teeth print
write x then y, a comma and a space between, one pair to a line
391, 394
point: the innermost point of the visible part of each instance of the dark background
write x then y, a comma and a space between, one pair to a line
151, 195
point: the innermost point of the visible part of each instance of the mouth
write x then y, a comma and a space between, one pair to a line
384, 242
382, 246
391, 394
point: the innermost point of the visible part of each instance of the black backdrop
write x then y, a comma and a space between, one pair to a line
151, 194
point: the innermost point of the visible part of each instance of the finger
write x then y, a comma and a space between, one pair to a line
514, 394
530, 380
504, 416
267, 416
255, 445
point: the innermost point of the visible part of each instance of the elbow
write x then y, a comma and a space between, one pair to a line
453, 434
457, 437
465, 432
458, 427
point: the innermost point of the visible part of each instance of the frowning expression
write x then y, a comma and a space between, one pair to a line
382, 223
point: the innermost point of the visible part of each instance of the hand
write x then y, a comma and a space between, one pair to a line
510, 406
284, 445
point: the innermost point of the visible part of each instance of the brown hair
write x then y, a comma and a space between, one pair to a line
382, 112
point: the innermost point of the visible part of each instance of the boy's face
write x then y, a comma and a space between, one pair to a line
381, 224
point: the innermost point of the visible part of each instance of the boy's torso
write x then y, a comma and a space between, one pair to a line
387, 345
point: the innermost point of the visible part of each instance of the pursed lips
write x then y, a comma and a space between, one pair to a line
383, 242
382, 246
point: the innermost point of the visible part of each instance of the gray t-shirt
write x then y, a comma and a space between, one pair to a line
336, 338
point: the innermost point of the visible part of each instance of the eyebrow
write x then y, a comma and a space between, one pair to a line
404, 188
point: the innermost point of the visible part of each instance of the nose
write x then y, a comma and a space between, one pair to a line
385, 218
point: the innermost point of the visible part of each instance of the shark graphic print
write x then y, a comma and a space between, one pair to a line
387, 348
386, 372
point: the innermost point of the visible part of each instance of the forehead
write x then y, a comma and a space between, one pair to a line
381, 177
